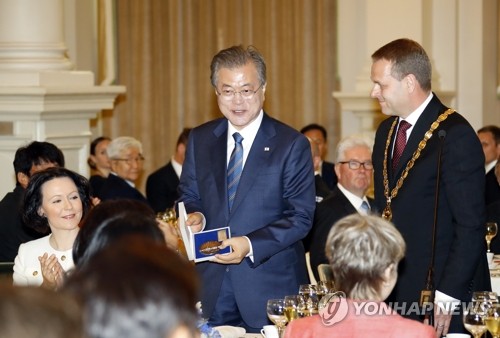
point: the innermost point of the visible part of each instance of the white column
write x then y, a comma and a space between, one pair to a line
41, 97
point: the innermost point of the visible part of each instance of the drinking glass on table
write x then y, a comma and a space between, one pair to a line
491, 232
309, 297
492, 320
292, 304
276, 313
474, 321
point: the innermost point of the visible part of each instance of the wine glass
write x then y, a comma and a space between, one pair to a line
491, 231
276, 313
492, 320
309, 299
292, 303
474, 321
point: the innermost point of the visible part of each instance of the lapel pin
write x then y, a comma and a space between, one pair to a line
266, 148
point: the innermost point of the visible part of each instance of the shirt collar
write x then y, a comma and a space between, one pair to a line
414, 116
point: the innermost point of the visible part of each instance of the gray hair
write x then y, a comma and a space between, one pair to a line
350, 142
119, 144
235, 57
359, 249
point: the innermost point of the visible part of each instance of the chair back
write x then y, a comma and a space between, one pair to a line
325, 273
6, 271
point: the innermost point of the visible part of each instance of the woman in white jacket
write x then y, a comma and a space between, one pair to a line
55, 202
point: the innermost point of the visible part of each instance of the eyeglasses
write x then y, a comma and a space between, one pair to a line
131, 161
355, 165
229, 93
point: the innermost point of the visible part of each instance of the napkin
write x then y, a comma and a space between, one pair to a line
227, 331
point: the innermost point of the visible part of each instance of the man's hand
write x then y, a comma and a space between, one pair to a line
195, 221
442, 319
240, 248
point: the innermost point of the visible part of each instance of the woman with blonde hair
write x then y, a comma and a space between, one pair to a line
364, 252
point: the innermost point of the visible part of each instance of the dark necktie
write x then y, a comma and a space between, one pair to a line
234, 168
400, 143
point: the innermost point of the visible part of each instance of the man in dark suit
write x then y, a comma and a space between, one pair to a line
268, 203
405, 189
28, 160
125, 156
490, 140
318, 134
354, 172
161, 185
493, 212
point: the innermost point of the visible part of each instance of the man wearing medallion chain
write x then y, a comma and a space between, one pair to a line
406, 184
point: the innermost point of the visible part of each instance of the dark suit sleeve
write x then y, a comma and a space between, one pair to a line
463, 185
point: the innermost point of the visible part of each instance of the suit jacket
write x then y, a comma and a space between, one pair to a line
273, 207
492, 188
116, 187
460, 243
161, 188
328, 174
363, 324
13, 232
96, 182
27, 269
327, 213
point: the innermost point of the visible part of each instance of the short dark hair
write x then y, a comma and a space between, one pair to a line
183, 137
235, 57
314, 126
33, 196
491, 129
407, 57
36, 153
111, 220
135, 288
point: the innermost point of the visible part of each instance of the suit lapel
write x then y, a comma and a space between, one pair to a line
218, 157
262, 148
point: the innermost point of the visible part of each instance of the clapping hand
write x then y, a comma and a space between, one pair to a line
52, 271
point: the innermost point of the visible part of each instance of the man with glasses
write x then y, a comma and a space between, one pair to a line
354, 171
254, 174
125, 156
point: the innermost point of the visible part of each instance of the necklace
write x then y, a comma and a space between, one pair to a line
387, 213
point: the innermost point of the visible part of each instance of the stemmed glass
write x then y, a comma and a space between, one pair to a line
276, 313
491, 231
474, 321
292, 304
492, 320
309, 298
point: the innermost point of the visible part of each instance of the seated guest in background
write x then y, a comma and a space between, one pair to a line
136, 288
322, 190
55, 202
38, 313
493, 213
125, 155
161, 186
28, 160
111, 220
490, 140
99, 163
318, 134
364, 252
354, 171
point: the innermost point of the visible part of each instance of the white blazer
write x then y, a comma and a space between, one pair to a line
27, 268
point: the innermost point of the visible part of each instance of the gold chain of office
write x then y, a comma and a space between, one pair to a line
387, 213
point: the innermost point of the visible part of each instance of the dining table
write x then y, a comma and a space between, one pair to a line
495, 274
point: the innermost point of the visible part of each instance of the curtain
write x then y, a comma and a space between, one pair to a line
164, 50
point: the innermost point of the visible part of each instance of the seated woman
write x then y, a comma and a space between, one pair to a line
125, 156
99, 163
111, 220
364, 252
55, 202
136, 288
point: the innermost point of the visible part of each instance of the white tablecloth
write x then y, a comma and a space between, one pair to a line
495, 274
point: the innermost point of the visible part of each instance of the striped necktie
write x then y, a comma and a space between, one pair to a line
400, 143
234, 168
